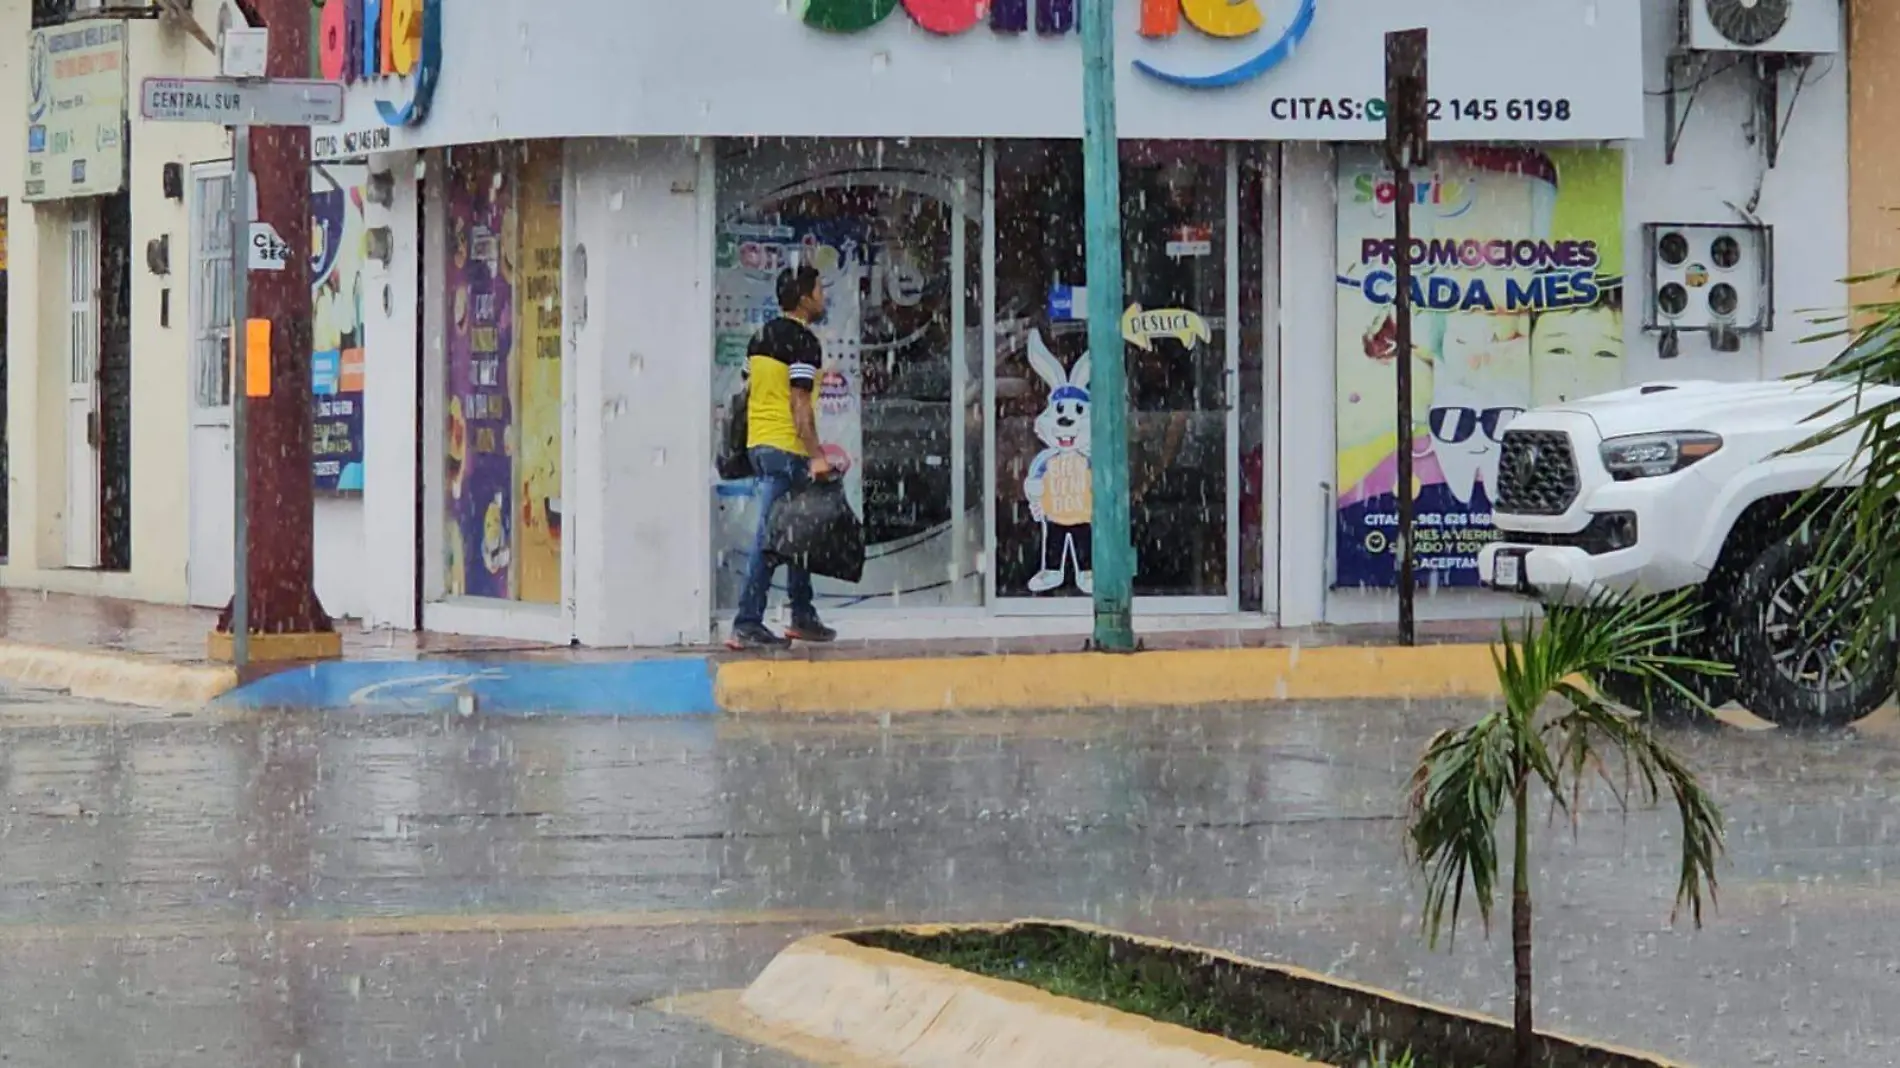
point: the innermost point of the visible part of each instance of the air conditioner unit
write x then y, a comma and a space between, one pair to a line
1801, 27
1712, 277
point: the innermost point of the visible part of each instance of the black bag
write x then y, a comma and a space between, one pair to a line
816, 529
734, 461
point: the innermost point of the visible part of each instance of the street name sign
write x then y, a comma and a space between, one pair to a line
268, 250
228, 102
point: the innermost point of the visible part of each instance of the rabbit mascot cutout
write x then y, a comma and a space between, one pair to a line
1060, 483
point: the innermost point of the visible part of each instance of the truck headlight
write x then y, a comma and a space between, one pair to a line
1650, 455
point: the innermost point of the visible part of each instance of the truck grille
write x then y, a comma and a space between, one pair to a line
1537, 473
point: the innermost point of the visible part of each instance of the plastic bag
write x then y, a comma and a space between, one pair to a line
816, 529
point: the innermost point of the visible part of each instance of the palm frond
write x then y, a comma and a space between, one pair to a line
1458, 791
1589, 730
1854, 516
1633, 636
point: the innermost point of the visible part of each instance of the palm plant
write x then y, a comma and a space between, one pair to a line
1854, 519
1467, 776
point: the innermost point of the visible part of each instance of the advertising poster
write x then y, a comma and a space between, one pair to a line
338, 256
1518, 303
75, 111
538, 355
479, 534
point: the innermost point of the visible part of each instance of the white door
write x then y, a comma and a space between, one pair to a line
82, 388
208, 572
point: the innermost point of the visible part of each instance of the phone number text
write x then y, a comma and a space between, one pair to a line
1437, 109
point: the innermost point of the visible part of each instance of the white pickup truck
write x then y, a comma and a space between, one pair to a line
1672, 485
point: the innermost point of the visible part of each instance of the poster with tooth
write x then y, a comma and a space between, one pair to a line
1517, 303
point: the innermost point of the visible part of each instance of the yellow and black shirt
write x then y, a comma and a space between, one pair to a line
784, 355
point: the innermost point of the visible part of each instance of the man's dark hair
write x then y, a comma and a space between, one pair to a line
795, 285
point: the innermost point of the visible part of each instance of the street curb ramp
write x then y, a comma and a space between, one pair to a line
665, 686
118, 678
834, 1000
1184, 678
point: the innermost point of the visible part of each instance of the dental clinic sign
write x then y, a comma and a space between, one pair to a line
1161, 20
393, 46
1284, 69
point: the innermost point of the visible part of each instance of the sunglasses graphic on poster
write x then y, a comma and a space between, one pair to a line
1517, 303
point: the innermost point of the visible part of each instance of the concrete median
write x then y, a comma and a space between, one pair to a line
119, 678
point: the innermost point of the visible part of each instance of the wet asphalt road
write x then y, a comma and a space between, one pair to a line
388, 890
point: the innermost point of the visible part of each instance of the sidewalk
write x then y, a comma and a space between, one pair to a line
155, 656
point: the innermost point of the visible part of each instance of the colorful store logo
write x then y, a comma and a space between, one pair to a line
1446, 197
1223, 19
394, 44
1160, 20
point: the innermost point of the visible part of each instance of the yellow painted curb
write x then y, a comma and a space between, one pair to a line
122, 678
278, 648
885, 1008
1070, 680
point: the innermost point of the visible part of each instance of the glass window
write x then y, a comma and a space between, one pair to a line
211, 277
895, 233
1175, 260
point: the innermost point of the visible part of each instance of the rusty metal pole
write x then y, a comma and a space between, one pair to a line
287, 622
1407, 145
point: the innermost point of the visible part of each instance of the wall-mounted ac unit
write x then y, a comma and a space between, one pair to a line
1805, 27
1714, 278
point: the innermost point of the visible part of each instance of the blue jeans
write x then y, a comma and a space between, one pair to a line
776, 474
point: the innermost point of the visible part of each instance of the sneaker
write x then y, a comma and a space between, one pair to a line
811, 631
754, 636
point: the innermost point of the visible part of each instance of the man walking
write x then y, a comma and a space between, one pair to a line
782, 439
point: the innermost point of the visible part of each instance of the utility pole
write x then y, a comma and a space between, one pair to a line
1407, 143
1113, 547
277, 588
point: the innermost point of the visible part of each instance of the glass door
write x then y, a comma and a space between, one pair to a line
895, 233
1179, 268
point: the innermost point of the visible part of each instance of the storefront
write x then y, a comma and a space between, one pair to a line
599, 218
957, 393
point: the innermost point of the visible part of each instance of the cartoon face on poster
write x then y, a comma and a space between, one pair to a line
1517, 302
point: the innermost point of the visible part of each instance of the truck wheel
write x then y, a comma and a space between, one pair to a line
1662, 703
1791, 659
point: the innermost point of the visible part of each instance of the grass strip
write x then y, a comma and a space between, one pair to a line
1076, 964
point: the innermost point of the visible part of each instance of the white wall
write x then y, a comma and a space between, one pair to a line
341, 544
384, 535
1717, 173
642, 364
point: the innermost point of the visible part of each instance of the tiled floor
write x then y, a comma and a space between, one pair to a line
178, 634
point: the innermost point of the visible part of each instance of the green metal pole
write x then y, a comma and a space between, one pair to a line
1114, 550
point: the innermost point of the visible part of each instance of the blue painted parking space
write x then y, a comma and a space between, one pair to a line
666, 687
